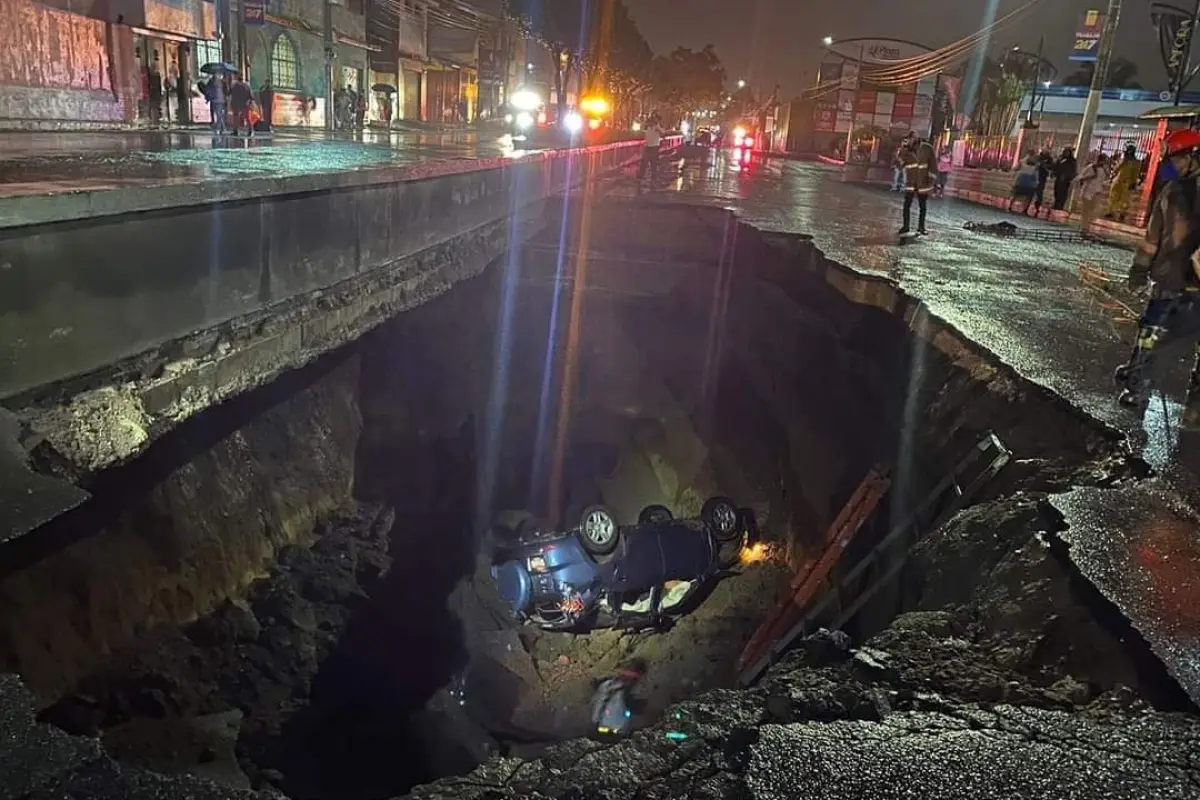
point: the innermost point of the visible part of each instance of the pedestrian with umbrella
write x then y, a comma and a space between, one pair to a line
216, 92
385, 92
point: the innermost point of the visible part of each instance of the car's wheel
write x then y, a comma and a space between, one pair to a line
721, 517
598, 530
729, 553
655, 514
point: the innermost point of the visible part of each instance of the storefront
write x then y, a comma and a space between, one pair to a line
411, 105
165, 58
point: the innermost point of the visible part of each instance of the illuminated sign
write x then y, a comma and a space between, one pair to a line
1087, 37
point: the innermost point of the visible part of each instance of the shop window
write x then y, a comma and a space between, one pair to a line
285, 67
206, 53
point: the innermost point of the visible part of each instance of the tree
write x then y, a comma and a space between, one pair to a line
1002, 86
687, 79
619, 60
559, 26
1122, 74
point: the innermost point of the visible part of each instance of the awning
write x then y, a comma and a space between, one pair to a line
1171, 112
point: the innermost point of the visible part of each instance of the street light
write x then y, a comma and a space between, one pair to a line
741, 84
827, 41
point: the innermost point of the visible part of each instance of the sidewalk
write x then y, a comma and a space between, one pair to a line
46, 163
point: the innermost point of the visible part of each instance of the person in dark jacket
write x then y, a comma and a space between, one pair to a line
920, 174
1167, 260
1065, 169
1045, 165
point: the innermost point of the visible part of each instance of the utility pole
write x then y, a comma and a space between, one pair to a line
329, 53
223, 9
1037, 78
1108, 35
243, 62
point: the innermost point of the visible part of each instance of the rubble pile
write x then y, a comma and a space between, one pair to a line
212, 698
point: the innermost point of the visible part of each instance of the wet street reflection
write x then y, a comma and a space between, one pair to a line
46, 163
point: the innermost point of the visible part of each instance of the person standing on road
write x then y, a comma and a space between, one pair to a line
1093, 182
1045, 164
944, 165
240, 97
1064, 171
920, 168
1024, 184
1126, 175
653, 134
1167, 261
214, 91
898, 182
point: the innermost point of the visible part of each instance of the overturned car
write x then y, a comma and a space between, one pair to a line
599, 574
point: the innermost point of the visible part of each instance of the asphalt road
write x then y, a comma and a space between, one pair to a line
1026, 302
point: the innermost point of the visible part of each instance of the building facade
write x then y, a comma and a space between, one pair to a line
89, 63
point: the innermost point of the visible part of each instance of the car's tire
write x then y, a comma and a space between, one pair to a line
729, 553
722, 518
598, 530
654, 515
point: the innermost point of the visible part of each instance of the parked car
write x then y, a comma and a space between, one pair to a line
599, 574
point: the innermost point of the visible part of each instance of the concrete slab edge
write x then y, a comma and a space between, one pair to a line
48, 209
108, 425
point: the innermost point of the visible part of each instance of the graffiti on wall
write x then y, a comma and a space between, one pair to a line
176, 16
44, 48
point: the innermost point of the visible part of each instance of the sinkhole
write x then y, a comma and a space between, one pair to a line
304, 600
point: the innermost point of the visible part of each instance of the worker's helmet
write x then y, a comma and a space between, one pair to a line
1182, 142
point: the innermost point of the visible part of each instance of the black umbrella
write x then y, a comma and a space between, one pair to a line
387, 88
218, 66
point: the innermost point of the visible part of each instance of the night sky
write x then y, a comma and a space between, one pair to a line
777, 41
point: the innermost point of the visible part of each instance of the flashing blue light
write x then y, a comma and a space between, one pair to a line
676, 736
628, 713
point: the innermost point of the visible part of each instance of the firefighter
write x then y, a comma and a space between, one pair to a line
920, 170
1166, 262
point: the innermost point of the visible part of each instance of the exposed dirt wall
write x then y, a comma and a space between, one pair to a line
201, 534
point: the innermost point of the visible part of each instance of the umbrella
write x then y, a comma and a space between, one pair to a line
383, 87
218, 66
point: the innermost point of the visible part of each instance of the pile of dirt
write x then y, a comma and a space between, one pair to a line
211, 698
918, 706
1004, 679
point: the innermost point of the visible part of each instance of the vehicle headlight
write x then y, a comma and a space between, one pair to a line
525, 100
524, 120
573, 122
508, 117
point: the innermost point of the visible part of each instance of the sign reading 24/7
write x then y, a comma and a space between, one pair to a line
1087, 37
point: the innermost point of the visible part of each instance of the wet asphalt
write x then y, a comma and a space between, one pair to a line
1027, 302
51, 162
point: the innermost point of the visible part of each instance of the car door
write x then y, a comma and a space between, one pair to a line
686, 550
638, 563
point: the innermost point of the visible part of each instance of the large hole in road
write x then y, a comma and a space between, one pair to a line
349, 643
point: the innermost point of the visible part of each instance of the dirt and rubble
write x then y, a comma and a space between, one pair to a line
993, 686
211, 699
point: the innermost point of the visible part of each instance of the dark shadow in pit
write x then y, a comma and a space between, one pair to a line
364, 734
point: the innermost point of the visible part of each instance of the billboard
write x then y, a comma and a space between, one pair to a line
1087, 36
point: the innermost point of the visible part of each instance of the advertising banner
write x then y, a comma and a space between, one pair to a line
1087, 36
254, 12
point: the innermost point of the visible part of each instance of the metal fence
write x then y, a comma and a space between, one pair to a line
1001, 152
